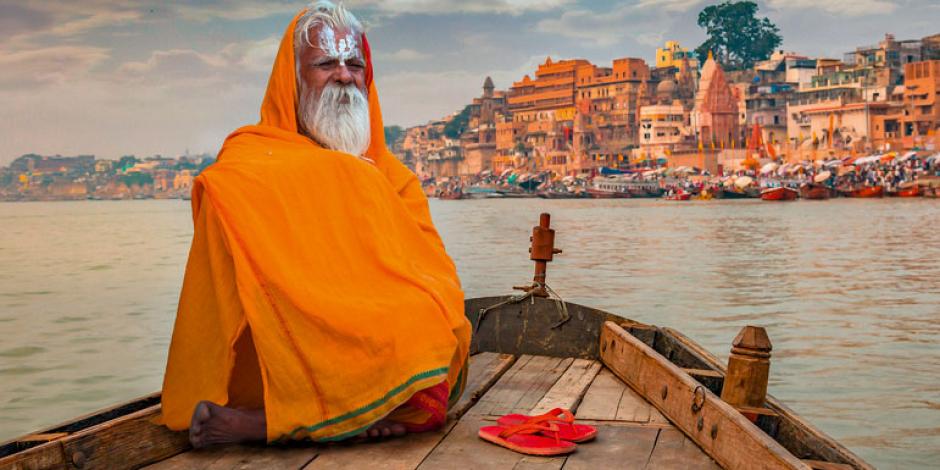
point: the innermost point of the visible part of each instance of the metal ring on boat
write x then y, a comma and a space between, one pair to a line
698, 399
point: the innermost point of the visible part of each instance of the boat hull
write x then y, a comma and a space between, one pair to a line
678, 197
865, 192
913, 191
779, 194
815, 192
733, 194
601, 194
509, 334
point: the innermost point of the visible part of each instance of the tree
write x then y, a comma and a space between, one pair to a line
456, 126
736, 37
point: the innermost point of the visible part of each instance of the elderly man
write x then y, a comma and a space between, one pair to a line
318, 301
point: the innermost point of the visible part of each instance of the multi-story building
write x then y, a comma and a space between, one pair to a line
606, 125
478, 142
914, 120
672, 55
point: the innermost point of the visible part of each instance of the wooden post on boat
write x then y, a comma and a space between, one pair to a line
542, 252
745, 383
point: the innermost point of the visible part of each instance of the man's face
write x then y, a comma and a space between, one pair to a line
333, 56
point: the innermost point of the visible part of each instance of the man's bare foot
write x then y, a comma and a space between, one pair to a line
213, 424
384, 428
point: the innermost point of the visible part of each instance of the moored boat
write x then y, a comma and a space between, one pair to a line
815, 191
656, 397
781, 193
733, 193
908, 189
552, 194
607, 188
678, 197
864, 192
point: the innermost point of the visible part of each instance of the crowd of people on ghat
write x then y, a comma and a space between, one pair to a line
891, 172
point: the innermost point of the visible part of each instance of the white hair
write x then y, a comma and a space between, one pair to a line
323, 12
339, 118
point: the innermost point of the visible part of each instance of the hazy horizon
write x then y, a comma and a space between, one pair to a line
111, 78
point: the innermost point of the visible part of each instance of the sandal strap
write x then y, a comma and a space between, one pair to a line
529, 428
558, 415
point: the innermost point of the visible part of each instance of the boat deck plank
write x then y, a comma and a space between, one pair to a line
609, 399
630, 433
485, 370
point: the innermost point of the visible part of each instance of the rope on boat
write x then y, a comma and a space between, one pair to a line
560, 304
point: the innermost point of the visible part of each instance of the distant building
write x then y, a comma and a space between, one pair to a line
478, 142
672, 55
715, 118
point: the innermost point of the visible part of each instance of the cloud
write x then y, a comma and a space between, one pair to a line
411, 98
669, 5
237, 10
172, 64
43, 66
457, 6
406, 55
837, 7
640, 22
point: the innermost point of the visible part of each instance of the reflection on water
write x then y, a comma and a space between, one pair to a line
849, 291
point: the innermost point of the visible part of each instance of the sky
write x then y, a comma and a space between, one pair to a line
147, 77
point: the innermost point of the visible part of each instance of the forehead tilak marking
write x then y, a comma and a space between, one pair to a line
342, 50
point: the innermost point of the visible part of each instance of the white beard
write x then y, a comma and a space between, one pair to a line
344, 127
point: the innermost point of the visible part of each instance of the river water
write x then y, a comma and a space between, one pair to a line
849, 291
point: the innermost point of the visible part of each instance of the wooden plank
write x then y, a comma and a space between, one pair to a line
569, 390
521, 388
609, 399
615, 447
17, 453
518, 391
634, 408
716, 427
485, 369
799, 436
43, 437
674, 451
820, 465
130, 441
408, 452
463, 449
46, 456
241, 458
602, 398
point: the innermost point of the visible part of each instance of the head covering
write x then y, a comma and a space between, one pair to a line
330, 267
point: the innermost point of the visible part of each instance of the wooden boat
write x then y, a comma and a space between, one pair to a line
450, 195
608, 194
735, 193
658, 399
815, 191
678, 197
782, 193
563, 194
910, 189
865, 191
609, 188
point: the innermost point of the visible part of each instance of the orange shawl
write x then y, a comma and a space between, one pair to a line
330, 263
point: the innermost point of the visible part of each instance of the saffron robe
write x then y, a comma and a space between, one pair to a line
316, 286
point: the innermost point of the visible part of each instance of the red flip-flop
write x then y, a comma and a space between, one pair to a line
563, 419
524, 439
